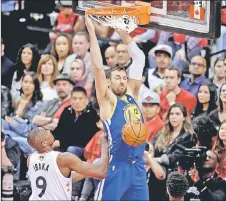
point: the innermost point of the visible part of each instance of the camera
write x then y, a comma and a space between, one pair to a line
191, 156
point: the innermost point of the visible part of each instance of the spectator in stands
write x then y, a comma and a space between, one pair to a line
209, 185
194, 47
27, 60
67, 21
61, 49
221, 41
26, 107
174, 93
163, 39
206, 101
206, 127
219, 73
7, 68
124, 58
51, 113
197, 69
219, 115
177, 131
111, 56
47, 73
154, 78
150, 109
80, 47
177, 186
10, 151
220, 148
6, 104
92, 153
72, 131
79, 74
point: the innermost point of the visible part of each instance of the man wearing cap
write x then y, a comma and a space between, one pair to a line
154, 79
52, 112
150, 110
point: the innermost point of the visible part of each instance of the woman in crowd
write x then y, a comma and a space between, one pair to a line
27, 60
220, 149
219, 115
206, 102
177, 131
61, 49
219, 73
78, 73
206, 127
47, 73
26, 107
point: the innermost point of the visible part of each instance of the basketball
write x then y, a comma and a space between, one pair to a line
134, 133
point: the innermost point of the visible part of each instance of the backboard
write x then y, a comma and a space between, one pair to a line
195, 18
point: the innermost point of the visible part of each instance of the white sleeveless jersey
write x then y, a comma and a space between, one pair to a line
47, 182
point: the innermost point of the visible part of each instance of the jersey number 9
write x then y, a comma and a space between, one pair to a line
41, 184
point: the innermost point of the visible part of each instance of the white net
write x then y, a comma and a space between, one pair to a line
123, 22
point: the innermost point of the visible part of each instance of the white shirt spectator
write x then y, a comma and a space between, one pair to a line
16, 86
155, 83
48, 92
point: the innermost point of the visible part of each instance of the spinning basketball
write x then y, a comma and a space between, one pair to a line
134, 133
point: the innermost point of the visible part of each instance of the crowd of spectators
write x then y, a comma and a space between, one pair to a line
180, 103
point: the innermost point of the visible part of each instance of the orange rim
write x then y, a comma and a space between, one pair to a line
113, 11
141, 10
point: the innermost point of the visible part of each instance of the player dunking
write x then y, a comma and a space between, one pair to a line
126, 176
50, 172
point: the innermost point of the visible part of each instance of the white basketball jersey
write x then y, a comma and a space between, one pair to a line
47, 182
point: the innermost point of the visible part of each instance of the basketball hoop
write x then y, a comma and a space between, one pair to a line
126, 18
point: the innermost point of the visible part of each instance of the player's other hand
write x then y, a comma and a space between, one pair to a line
89, 24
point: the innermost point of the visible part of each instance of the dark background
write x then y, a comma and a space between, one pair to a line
15, 33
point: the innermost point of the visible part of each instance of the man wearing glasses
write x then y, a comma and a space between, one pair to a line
210, 186
197, 69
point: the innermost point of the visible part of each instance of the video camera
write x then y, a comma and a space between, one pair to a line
191, 156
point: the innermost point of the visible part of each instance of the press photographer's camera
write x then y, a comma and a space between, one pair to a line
191, 156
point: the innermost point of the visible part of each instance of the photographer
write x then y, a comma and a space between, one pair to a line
210, 186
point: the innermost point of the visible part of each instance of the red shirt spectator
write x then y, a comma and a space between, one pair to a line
150, 110
184, 97
174, 93
154, 126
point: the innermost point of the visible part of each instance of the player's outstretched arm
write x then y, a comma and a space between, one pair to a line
70, 161
97, 62
137, 66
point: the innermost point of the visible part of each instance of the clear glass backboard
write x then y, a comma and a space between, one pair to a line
195, 18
